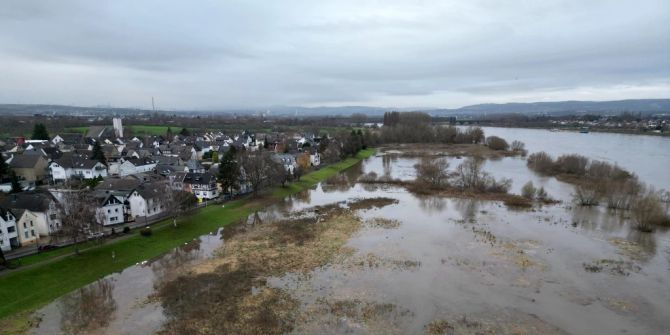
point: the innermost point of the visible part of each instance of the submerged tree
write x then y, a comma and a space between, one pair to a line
89, 308
432, 172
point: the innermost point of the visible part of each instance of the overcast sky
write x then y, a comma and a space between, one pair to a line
248, 53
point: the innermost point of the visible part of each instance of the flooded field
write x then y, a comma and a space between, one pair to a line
346, 257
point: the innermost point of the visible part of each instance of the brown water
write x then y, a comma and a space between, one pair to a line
475, 264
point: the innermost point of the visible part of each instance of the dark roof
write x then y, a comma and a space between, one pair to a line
25, 161
151, 190
18, 212
32, 201
198, 178
77, 161
4, 212
141, 161
119, 184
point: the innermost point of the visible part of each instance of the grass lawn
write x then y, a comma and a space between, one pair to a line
25, 290
82, 129
154, 130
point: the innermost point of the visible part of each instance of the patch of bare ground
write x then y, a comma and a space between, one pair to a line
369, 203
228, 293
352, 316
382, 223
452, 150
518, 323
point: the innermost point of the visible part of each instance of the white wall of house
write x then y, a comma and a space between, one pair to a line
145, 168
203, 191
315, 159
27, 228
143, 207
127, 168
110, 214
7, 232
58, 172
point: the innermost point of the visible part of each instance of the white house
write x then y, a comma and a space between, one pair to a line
202, 185
41, 205
26, 226
76, 166
8, 233
110, 211
145, 200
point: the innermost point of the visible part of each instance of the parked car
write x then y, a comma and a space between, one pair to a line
94, 236
46, 247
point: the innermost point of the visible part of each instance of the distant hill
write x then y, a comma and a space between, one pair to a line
565, 107
645, 106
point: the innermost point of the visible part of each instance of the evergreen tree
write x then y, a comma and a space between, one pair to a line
98, 154
16, 186
169, 134
184, 132
229, 171
4, 168
40, 132
3, 260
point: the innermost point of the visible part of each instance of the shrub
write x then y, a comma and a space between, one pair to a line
541, 194
432, 172
146, 231
519, 147
647, 212
572, 164
528, 190
496, 143
517, 201
126, 230
587, 194
541, 162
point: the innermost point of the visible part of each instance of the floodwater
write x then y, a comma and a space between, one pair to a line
448, 266
648, 156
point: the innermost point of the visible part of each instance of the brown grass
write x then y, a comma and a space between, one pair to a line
450, 150
216, 295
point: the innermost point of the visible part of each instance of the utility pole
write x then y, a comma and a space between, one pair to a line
153, 106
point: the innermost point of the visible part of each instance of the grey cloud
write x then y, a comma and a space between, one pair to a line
257, 53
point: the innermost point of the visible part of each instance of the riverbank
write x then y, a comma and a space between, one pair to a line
25, 290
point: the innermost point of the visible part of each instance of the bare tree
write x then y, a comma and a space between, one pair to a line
432, 172
89, 308
260, 170
79, 215
175, 202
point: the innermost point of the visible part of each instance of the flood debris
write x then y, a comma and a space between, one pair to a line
352, 316
383, 223
613, 267
502, 323
372, 261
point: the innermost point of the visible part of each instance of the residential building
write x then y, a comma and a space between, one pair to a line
26, 227
76, 166
8, 234
31, 167
43, 205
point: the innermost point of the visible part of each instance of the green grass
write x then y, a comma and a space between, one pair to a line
28, 289
153, 130
82, 129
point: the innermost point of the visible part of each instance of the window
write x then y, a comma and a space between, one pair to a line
32, 232
11, 229
26, 234
109, 211
31, 223
24, 225
116, 210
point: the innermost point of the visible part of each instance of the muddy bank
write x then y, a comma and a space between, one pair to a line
448, 150
228, 294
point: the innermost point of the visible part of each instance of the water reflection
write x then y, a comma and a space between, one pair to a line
468, 208
89, 308
432, 204
167, 268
